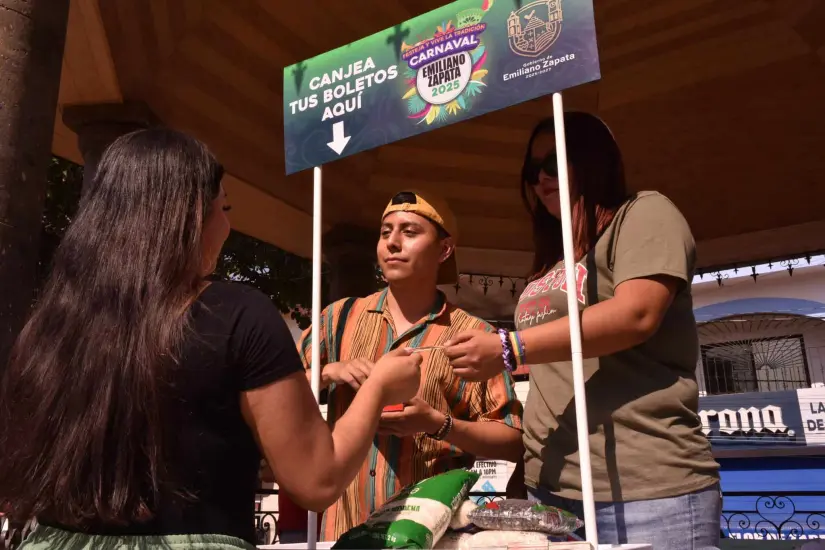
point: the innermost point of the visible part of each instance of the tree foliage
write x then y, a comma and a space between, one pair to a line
284, 277
65, 181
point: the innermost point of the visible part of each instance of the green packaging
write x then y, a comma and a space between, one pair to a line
417, 517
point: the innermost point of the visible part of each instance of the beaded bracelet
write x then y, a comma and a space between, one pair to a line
507, 350
444, 430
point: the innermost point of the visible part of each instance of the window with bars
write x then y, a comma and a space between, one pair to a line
755, 365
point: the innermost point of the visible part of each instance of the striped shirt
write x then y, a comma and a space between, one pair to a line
363, 328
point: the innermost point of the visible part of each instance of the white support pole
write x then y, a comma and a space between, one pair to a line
315, 365
575, 326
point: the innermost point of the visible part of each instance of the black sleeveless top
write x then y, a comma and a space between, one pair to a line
240, 342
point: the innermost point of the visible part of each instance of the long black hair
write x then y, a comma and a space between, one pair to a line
597, 185
81, 400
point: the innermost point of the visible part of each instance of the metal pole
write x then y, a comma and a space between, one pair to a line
575, 326
315, 365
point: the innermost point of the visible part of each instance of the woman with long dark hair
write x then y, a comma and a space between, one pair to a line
655, 479
138, 394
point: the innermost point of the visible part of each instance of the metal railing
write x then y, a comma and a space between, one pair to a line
266, 527
791, 515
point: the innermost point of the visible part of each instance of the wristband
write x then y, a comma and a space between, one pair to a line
519, 351
507, 350
444, 430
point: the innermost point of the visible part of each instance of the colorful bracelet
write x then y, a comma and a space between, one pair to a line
507, 353
519, 351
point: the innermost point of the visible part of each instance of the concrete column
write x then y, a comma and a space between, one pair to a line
350, 254
32, 37
97, 126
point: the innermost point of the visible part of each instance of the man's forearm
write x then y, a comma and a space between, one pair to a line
493, 440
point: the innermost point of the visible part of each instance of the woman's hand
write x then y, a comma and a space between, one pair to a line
398, 375
475, 355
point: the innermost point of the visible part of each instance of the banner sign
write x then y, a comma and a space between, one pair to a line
755, 420
457, 62
765, 419
812, 407
493, 477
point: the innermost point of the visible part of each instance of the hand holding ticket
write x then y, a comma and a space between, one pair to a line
400, 408
398, 373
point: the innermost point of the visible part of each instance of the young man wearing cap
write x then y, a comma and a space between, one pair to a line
451, 421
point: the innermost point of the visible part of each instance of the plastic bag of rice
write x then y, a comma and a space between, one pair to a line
417, 517
454, 540
504, 539
523, 515
485, 540
522, 540
461, 518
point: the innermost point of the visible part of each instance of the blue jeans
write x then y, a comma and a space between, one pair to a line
686, 522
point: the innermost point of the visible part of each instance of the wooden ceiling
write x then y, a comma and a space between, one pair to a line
718, 104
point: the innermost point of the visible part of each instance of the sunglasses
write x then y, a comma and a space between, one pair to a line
548, 165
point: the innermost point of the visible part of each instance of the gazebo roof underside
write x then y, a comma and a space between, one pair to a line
719, 105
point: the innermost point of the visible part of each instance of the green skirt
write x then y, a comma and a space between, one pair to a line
43, 538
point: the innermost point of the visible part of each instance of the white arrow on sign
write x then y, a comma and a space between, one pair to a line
339, 140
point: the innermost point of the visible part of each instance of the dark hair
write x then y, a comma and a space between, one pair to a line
597, 185
81, 408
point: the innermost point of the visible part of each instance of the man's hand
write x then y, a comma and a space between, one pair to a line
418, 417
353, 373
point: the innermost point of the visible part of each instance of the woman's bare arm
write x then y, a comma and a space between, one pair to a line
310, 462
629, 318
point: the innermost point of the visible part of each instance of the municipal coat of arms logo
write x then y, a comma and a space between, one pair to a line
535, 27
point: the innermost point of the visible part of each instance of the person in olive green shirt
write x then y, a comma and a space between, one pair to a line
654, 477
